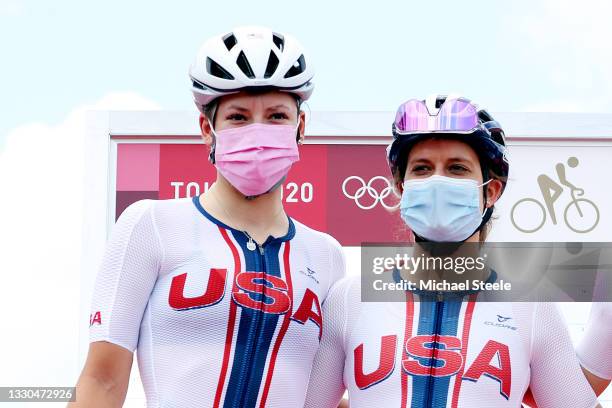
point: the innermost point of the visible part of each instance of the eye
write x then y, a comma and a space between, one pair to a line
458, 169
279, 116
236, 117
420, 169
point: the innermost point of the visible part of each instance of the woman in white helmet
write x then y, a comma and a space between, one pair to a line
211, 290
445, 348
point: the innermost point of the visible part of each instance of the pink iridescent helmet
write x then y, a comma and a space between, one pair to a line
448, 117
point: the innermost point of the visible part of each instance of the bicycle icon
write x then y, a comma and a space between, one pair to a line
577, 209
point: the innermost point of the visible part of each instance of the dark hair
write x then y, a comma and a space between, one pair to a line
487, 174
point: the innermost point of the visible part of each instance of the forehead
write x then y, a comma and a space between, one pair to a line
442, 149
251, 101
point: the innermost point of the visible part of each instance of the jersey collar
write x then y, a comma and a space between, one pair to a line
289, 235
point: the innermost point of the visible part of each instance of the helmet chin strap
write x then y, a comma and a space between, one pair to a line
213, 143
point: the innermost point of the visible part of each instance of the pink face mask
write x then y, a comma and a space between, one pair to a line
256, 157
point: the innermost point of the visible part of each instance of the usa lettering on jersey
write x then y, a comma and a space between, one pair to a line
436, 356
253, 290
95, 318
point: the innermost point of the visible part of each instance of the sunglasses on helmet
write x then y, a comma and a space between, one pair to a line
457, 115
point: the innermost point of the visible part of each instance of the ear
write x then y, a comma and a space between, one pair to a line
494, 189
301, 126
205, 129
399, 186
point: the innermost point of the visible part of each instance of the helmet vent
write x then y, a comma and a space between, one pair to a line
229, 40
298, 67
279, 40
272, 65
484, 116
217, 70
243, 64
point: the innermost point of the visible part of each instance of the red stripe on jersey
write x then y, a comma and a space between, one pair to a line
231, 321
407, 335
467, 322
283, 329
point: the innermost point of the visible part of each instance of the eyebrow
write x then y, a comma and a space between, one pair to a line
280, 105
420, 159
238, 108
450, 159
458, 158
242, 109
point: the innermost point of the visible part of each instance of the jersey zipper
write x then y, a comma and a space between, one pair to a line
438, 314
261, 264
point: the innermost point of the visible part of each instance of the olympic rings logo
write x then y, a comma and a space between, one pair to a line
368, 189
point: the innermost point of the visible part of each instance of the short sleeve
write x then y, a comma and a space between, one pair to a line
556, 377
125, 279
326, 383
338, 261
595, 348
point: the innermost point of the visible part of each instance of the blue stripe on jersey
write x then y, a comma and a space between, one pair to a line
255, 326
255, 332
427, 388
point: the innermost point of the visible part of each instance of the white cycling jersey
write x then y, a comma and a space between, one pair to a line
216, 322
595, 348
454, 353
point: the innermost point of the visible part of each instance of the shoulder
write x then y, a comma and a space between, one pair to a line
317, 242
313, 236
602, 311
323, 247
343, 305
158, 217
525, 312
345, 293
134, 215
158, 207
136, 209
173, 206
335, 304
170, 214
342, 287
538, 320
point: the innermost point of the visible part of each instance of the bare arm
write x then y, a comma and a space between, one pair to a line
597, 383
124, 282
105, 377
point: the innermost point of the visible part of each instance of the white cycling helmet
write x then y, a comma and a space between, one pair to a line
250, 57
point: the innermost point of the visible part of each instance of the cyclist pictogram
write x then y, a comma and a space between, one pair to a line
581, 215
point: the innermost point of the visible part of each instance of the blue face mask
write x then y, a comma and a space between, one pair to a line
442, 209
